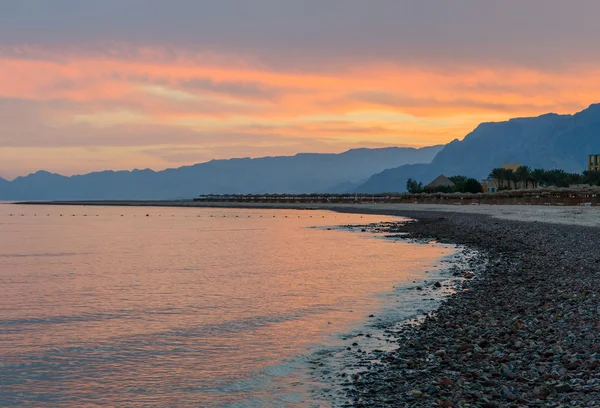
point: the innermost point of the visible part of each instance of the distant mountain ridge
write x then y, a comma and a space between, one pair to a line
549, 141
302, 173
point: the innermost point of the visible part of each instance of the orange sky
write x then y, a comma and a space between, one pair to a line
72, 108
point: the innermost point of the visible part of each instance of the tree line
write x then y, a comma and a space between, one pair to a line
524, 176
509, 179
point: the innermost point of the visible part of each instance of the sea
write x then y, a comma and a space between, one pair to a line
195, 307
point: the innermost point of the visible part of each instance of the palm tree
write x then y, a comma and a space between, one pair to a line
556, 177
531, 180
510, 176
499, 174
591, 177
538, 176
522, 175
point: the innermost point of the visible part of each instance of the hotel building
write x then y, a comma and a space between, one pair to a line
594, 162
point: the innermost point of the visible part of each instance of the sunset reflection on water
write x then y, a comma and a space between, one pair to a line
109, 306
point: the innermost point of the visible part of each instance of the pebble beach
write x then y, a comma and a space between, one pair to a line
523, 330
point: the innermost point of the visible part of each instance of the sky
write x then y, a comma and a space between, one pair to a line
123, 84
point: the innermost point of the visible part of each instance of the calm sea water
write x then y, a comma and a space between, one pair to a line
106, 306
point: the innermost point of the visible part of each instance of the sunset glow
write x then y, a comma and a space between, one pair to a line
123, 105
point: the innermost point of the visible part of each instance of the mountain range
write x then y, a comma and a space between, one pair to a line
549, 141
305, 172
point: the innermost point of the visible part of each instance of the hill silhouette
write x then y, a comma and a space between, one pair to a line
549, 141
302, 173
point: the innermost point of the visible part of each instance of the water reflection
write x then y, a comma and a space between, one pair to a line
179, 307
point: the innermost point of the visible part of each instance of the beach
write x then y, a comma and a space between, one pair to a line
520, 330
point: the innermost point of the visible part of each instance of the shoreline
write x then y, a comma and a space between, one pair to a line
407, 306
